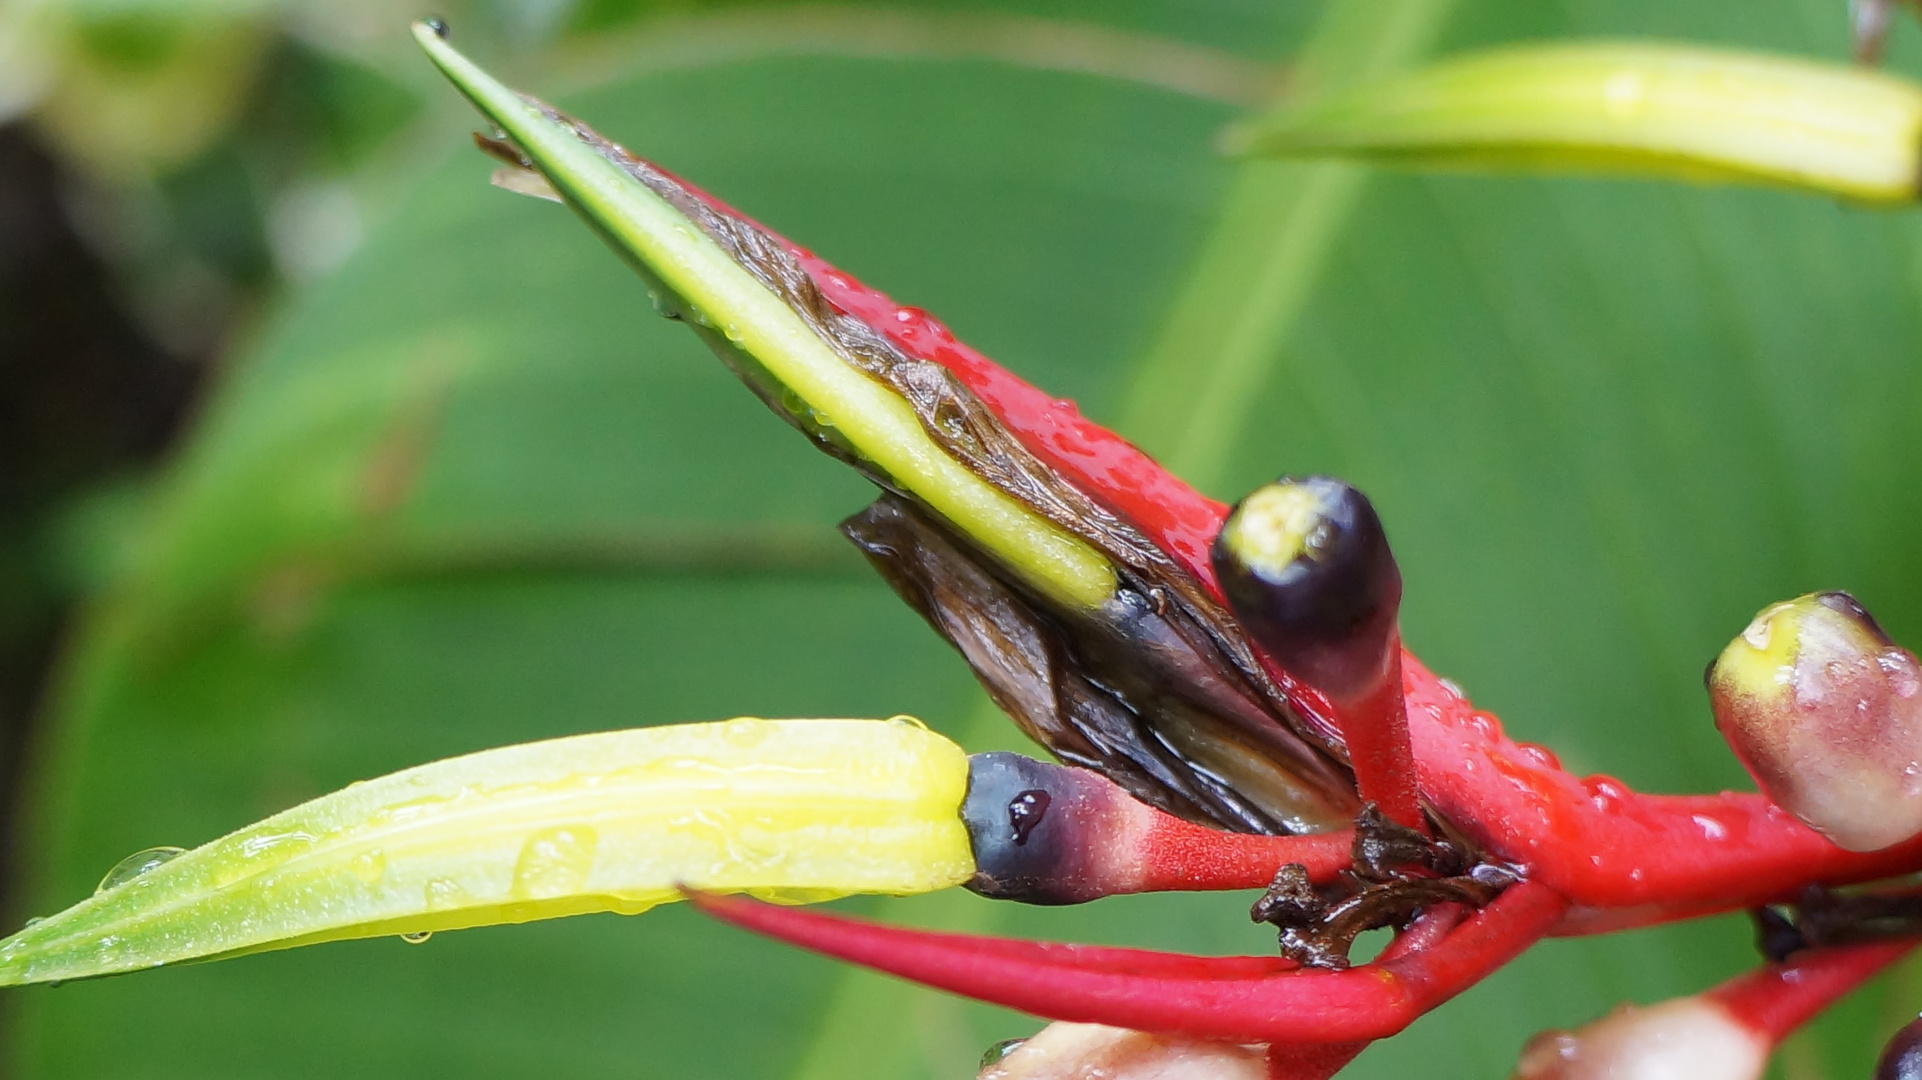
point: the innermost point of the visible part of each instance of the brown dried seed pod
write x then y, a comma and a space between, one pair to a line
1826, 713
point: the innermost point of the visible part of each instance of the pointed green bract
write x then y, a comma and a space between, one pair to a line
791, 810
688, 269
1653, 110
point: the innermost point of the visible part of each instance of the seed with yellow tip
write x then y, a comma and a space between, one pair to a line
1826, 713
1306, 568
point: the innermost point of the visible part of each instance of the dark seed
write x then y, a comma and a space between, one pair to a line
1025, 811
1306, 568
1903, 1058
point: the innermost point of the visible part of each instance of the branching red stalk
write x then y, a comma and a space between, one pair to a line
1775, 1000
1235, 999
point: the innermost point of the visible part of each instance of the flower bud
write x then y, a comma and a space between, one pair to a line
1080, 1051
1306, 568
1824, 711
1684, 1039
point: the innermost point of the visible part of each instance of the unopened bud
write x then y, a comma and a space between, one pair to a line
1081, 1051
1306, 568
1826, 713
1684, 1039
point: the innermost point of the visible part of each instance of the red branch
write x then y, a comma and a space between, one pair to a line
1235, 999
1775, 1000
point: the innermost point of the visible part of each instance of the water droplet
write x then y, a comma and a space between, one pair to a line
265, 842
1539, 755
905, 720
1605, 792
445, 894
996, 1054
35, 921
1905, 680
417, 939
137, 864
554, 862
368, 865
437, 26
1025, 813
1711, 828
733, 332
746, 732
666, 305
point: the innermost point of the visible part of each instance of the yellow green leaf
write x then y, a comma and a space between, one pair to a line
788, 810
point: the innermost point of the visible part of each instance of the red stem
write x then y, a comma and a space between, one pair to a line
1209, 998
1311, 1061
1775, 1000
1180, 856
1375, 728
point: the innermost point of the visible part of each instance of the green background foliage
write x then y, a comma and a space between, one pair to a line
467, 490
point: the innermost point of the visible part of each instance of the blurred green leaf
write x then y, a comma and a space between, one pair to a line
469, 491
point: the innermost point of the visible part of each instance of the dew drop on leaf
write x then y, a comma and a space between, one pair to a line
554, 862
137, 864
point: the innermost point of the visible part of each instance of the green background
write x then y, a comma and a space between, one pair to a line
467, 490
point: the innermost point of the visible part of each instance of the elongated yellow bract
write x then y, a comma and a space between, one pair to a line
791, 810
1655, 110
873, 419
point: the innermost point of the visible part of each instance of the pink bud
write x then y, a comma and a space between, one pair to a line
1084, 1051
1824, 711
1684, 1039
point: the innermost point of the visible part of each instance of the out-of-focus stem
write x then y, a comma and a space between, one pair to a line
1667, 111
1193, 391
